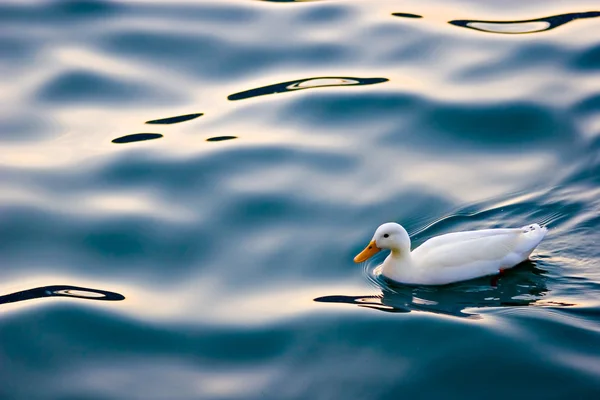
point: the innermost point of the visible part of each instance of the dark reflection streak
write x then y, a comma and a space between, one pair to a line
296, 85
553, 21
220, 138
406, 15
174, 120
61, 291
137, 137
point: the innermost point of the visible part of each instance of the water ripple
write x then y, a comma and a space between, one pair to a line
90, 87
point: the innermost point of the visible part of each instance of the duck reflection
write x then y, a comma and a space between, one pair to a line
61, 291
524, 285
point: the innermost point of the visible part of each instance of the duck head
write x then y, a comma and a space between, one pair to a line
389, 236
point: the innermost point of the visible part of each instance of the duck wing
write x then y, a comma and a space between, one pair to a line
496, 248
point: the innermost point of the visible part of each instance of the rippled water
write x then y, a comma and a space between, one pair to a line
183, 186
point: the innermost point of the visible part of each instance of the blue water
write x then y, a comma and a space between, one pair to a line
183, 186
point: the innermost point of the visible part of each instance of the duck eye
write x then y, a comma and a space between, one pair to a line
386, 235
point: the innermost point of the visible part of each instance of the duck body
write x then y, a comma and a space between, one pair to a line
452, 257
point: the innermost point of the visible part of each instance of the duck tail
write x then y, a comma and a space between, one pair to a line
532, 236
534, 229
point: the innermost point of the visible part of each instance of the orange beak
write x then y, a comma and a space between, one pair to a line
367, 253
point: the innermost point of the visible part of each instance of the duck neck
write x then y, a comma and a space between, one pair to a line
398, 266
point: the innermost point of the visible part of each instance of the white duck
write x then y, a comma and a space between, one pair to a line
452, 257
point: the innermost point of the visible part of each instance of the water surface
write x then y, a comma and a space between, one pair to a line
284, 134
